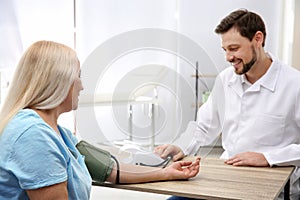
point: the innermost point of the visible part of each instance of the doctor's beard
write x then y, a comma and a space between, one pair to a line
248, 66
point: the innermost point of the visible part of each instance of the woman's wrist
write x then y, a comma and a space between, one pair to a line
165, 174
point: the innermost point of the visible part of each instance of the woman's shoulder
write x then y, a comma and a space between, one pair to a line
27, 116
26, 123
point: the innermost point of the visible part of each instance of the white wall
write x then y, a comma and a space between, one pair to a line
296, 41
109, 27
102, 22
24, 22
198, 21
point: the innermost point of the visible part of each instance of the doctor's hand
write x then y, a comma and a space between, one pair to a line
168, 149
248, 159
182, 169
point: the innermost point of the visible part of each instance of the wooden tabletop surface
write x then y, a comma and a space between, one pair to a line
217, 180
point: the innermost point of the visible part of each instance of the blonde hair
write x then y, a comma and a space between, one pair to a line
42, 79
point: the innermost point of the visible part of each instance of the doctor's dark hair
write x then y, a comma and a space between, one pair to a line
246, 22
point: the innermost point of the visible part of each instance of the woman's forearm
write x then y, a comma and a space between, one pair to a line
137, 174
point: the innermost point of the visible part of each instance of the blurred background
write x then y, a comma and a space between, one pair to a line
145, 92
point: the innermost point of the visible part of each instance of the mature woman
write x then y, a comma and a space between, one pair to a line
38, 158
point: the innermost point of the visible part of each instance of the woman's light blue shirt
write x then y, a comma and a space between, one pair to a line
33, 155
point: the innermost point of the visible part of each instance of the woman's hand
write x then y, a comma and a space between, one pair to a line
182, 169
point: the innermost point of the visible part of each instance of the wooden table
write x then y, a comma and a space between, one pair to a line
217, 180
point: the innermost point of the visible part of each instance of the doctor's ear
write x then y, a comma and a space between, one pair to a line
258, 38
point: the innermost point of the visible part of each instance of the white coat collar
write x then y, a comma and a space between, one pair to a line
268, 80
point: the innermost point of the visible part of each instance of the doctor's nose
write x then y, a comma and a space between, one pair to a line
229, 57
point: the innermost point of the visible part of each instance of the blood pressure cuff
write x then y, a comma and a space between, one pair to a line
98, 161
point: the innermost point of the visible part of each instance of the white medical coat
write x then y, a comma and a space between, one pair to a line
264, 118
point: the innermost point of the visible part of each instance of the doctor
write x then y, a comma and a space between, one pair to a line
255, 104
